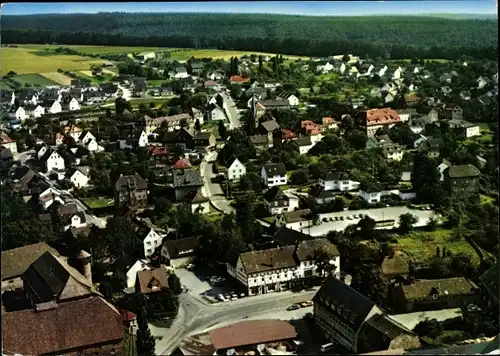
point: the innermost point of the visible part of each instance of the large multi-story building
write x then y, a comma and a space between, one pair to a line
131, 191
375, 119
281, 268
462, 180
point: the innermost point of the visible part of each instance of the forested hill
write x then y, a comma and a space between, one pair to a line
377, 36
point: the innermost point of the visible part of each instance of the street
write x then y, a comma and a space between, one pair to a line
195, 316
378, 214
213, 191
232, 111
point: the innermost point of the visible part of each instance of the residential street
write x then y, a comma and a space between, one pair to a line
232, 112
196, 316
213, 191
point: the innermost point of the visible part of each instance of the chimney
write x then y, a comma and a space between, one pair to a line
82, 263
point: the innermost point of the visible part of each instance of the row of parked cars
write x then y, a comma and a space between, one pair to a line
307, 303
230, 296
341, 218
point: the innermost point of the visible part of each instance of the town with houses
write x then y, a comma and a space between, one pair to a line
261, 205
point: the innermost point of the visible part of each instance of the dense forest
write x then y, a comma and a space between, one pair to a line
390, 37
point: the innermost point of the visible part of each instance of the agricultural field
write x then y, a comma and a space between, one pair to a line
33, 79
421, 246
57, 77
95, 49
185, 54
26, 61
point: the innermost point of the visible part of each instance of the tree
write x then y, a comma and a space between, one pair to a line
162, 205
299, 177
260, 63
222, 130
236, 91
429, 327
426, 179
145, 343
174, 283
406, 222
346, 58
367, 228
324, 261
197, 125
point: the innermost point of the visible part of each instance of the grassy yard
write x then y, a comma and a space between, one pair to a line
421, 246
26, 60
135, 102
98, 202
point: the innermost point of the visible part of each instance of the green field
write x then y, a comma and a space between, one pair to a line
185, 54
94, 49
421, 246
98, 202
33, 79
26, 61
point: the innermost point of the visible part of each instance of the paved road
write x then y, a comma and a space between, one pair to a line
195, 317
377, 214
232, 112
213, 191
126, 93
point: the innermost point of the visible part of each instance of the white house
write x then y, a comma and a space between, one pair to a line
19, 114
41, 152
84, 136
133, 138
80, 177
337, 181
281, 268
273, 174
8, 143
34, 111
277, 202
73, 131
47, 200
217, 114
292, 99
151, 240
295, 220
325, 68
407, 194
397, 73
370, 195
76, 220
481, 83
52, 160
342, 68
382, 71
393, 153
139, 265
73, 105
55, 108
235, 169
304, 144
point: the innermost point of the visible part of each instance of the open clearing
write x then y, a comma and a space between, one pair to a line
24, 61
57, 77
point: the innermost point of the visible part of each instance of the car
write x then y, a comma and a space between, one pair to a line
307, 303
190, 267
242, 295
341, 218
227, 296
221, 298
427, 207
293, 307
309, 315
355, 216
325, 219
234, 296
331, 219
349, 218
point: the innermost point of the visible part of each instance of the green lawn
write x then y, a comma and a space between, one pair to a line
421, 246
98, 202
33, 79
137, 101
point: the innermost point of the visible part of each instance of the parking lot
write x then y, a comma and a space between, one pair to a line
199, 284
378, 214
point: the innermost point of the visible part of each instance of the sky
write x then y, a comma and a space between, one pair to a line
325, 8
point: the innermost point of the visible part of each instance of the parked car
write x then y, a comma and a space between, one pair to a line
242, 295
293, 307
221, 298
307, 303
325, 219
190, 267
341, 218
234, 296
331, 219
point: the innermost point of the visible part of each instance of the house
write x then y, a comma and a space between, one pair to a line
203, 140
489, 282
182, 138
442, 167
235, 169
277, 103
236, 79
428, 114
199, 203
484, 100
322, 196
139, 265
261, 142
435, 294
71, 217
451, 111
52, 161
292, 99
80, 176
446, 78
432, 146
151, 239
481, 82
397, 73
139, 86
395, 269
252, 337
16, 261
370, 193
76, 331
337, 181
131, 191
28, 97
462, 180
180, 72
406, 114
54, 107
73, 131
196, 67
273, 174
174, 122
88, 140
380, 141
92, 97
179, 253
271, 128
295, 220
152, 281
375, 119
465, 95
464, 128
185, 181
382, 71
109, 90
46, 200
8, 143
34, 111
303, 144
132, 136
216, 113
346, 317
279, 269
393, 153
18, 114
7, 99
276, 201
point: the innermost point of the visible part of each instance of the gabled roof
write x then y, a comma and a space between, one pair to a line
303, 141
334, 176
231, 160
16, 261
182, 247
181, 164
447, 287
187, 178
394, 266
268, 260
490, 280
150, 278
285, 236
297, 215
71, 325
195, 197
274, 169
464, 170
275, 193
131, 180
270, 125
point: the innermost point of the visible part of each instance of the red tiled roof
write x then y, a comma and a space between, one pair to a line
287, 134
158, 151
381, 116
311, 127
127, 315
252, 332
329, 121
4, 138
237, 78
72, 325
182, 164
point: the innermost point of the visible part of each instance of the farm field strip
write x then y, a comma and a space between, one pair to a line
57, 77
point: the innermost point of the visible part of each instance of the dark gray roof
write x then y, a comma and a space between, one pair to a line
271, 125
179, 247
132, 181
275, 193
187, 178
259, 139
346, 297
332, 176
462, 171
275, 103
303, 141
181, 70
275, 169
285, 236
491, 280
297, 215
16, 261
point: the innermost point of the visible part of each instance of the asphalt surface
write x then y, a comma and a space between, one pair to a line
195, 316
213, 191
232, 112
378, 214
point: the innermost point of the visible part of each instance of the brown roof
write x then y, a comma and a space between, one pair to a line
4, 138
424, 288
394, 266
149, 279
381, 116
297, 215
70, 325
182, 247
268, 260
16, 261
252, 332
200, 344
237, 78
306, 250
464, 170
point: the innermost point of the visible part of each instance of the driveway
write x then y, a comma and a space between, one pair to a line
378, 214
